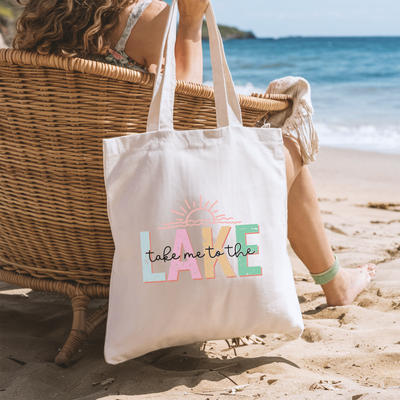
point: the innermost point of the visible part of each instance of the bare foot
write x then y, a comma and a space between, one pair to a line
348, 284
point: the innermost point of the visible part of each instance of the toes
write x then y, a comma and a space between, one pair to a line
372, 270
371, 267
369, 270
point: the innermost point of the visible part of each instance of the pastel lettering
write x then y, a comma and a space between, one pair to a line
243, 250
147, 265
211, 259
181, 245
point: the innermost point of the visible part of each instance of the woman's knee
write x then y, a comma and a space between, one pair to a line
293, 161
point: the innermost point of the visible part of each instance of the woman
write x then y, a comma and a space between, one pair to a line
129, 33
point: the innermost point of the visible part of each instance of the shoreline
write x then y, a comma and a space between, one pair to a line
391, 152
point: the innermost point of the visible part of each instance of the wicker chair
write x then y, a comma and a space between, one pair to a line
54, 113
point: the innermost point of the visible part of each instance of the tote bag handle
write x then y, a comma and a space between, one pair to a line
162, 104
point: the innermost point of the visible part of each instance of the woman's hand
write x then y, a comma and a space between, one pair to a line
188, 49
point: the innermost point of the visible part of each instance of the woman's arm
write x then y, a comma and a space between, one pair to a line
188, 49
144, 43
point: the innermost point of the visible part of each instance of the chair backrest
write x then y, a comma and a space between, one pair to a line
54, 113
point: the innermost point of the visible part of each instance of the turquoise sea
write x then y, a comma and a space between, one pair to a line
355, 83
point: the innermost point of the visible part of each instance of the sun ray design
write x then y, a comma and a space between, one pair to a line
213, 204
197, 216
176, 212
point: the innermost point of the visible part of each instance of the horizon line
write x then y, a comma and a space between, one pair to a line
324, 36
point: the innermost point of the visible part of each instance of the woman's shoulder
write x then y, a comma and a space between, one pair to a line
153, 10
156, 6
143, 44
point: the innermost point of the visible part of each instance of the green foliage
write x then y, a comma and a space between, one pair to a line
228, 32
6, 12
10, 9
9, 12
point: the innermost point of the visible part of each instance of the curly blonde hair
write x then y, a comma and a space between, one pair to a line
68, 27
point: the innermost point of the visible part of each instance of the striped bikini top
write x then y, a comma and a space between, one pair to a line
117, 56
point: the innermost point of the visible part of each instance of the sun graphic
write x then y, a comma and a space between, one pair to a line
196, 214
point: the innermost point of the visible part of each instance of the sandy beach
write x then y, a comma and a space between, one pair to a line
350, 352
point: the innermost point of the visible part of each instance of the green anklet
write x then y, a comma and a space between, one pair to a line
328, 275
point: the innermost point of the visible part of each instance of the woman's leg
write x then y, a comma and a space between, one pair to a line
307, 235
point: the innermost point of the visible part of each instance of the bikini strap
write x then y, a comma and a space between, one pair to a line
133, 18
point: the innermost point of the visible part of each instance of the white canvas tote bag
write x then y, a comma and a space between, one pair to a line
199, 221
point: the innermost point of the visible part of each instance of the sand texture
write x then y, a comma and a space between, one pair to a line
350, 352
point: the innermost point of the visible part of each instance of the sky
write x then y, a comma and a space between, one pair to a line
278, 18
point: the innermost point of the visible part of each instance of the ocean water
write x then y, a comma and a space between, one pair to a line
355, 83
